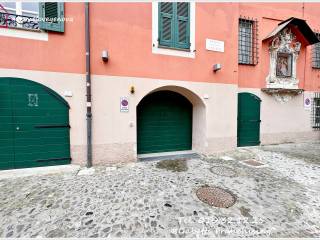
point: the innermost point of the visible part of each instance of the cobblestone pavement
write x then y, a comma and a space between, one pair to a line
278, 199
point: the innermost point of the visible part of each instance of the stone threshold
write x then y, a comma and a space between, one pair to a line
38, 171
189, 154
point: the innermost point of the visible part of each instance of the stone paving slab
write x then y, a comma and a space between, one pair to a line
281, 199
26, 172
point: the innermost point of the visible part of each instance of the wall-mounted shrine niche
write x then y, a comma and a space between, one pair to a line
284, 50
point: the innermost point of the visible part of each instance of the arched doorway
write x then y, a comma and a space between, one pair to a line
34, 125
248, 120
164, 123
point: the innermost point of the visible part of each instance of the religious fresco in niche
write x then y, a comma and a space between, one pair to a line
284, 51
284, 65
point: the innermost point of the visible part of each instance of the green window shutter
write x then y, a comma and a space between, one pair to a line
174, 24
166, 24
51, 16
182, 25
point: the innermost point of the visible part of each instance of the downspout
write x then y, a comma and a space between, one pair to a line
88, 87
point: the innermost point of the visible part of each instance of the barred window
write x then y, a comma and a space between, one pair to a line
316, 53
248, 41
316, 111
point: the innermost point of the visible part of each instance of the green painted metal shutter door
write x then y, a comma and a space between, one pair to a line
164, 123
248, 120
40, 125
6, 126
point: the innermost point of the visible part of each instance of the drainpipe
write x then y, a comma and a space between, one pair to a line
88, 88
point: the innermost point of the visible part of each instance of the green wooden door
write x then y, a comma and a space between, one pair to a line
248, 120
6, 126
164, 123
39, 125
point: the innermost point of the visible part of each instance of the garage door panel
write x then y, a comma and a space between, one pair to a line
39, 124
4, 164
37, 133
159, 139
161, 148
5, 105
40, 147
42, 154
29, 164
42, 140
6, 126
41, 121
166, 128
164, 123
28, 112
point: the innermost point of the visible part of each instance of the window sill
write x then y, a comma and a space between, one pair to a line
24, 29
248, 64
177, 52
172, 48
34, 34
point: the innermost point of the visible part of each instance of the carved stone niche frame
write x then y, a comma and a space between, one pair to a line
284, 50
282, 95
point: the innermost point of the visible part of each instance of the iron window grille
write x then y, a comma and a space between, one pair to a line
9, 20
248, 41
316, 111
316, 53
19, 15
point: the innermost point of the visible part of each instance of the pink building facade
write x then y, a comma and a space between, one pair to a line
250, 76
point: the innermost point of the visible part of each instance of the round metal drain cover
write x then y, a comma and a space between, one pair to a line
223, 171
215, 196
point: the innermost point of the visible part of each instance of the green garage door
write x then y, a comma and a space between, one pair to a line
248, 120
164, 123
34, 125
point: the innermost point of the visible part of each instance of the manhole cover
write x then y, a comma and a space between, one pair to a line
215, 196
223, 171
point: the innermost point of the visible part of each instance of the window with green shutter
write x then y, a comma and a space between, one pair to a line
174, 25
51, 16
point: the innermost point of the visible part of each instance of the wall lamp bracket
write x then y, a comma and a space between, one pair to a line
216, 67
105, 56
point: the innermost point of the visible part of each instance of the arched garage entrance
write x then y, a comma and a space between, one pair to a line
248, 119
164, 123
34, 125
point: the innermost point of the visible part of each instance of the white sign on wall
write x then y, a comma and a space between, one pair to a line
124, 104
214, 45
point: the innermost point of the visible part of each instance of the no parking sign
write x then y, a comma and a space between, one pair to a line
124, 104
307, 102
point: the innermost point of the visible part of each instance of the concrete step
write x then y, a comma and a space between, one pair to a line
168, 156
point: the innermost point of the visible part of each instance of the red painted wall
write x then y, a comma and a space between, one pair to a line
269, 15
125, 30
62, 53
